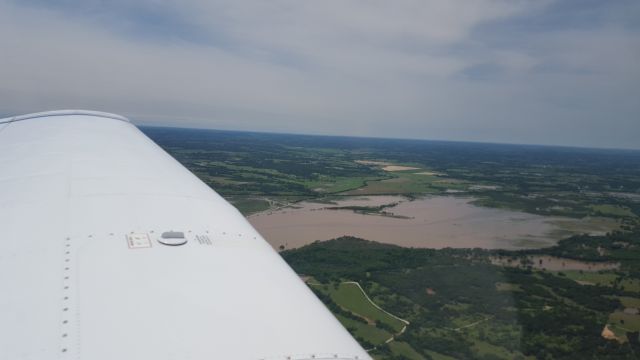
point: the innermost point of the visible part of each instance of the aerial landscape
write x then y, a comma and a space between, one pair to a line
444, 250
433, 179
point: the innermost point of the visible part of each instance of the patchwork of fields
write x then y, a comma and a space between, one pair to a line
579, 298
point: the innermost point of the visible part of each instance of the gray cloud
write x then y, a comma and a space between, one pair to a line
484, 70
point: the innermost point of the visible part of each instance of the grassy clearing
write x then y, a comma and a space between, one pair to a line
630, 302
500, 286
405, 182
586, 225
437, 356
463, 322
369, 333
333, 185
404, 349
484, 348
350, 297
628, 322
591, 278
612, 210
248, 206
619, 333
631, 285
457, 306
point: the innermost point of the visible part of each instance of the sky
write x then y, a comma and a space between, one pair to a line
563, 72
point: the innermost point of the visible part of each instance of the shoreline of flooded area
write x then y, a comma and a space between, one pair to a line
430, 222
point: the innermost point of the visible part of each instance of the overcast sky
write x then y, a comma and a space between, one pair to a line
544, 72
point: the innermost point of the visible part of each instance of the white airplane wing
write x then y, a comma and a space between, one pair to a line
110, 249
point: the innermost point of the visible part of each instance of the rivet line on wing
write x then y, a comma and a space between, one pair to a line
66, 297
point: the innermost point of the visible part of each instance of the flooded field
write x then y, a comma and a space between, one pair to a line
553, 263
432, 222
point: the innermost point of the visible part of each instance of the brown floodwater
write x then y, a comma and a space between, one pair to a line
553, 263
431, 222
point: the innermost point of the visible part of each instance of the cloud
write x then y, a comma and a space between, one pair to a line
484, 70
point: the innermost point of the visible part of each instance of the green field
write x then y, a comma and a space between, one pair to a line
591, 278
399, 348
410, 182
350, 297
612, 210
369, 333
328, 185
250, 205
629, 321
631, 285
630, 302
483, 348
437, 356
373, 327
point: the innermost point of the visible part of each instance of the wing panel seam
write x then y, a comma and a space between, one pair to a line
63, 113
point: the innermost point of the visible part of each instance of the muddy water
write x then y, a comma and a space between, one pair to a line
433, 222
553, 263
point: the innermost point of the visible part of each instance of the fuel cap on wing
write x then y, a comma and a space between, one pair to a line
172, 238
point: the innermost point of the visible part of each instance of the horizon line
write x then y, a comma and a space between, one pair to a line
583, 147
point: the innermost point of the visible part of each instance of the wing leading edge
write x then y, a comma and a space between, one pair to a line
113, 250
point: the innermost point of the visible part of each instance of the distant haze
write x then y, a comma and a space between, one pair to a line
560, 72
